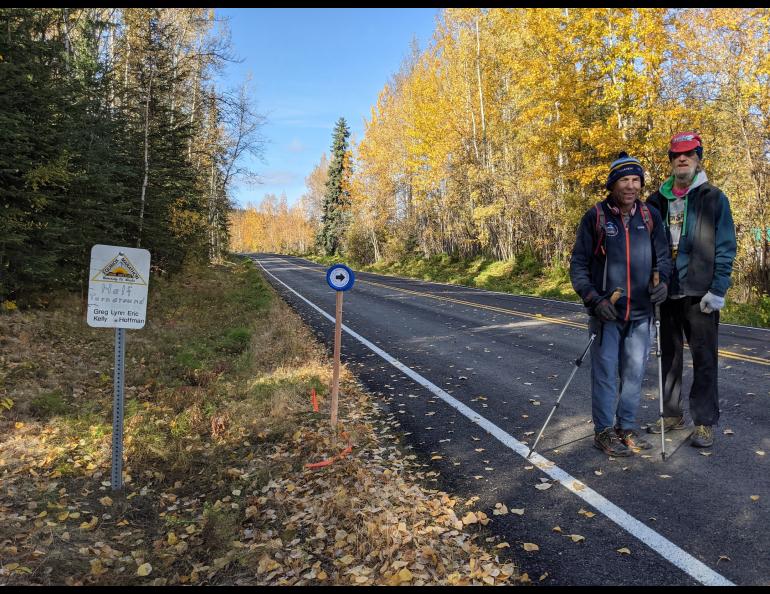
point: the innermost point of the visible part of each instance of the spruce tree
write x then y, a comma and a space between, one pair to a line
336, 204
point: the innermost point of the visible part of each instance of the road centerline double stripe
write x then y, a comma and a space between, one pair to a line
657, 542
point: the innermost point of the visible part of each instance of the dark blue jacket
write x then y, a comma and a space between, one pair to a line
630, 257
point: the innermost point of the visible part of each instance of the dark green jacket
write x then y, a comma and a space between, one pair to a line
707, 245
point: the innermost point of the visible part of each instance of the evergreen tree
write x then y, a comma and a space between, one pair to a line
336, 204
105, 138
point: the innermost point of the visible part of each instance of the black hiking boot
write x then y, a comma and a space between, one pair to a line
609, 442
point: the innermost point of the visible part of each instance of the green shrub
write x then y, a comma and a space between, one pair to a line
49, 404
236, 340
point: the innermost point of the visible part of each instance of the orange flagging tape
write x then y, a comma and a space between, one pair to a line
313, 400
332, 460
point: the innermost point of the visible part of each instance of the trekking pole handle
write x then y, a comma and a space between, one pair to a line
616, 294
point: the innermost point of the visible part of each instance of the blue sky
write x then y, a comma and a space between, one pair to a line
309, 67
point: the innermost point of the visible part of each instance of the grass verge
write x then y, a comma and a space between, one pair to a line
218, 430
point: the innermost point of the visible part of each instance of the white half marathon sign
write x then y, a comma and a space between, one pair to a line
117, 287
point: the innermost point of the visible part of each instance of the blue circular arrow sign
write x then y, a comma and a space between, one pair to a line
340, 277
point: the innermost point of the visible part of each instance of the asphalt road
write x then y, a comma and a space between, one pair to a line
468, 377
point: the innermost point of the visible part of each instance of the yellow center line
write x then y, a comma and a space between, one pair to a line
540, 317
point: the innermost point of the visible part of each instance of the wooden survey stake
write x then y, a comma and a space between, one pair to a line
337, 345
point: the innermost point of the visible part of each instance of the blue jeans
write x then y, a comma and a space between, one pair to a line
620, 348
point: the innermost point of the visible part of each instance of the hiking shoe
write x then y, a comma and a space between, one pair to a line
608, 442
703, 437
672, 423
631, 439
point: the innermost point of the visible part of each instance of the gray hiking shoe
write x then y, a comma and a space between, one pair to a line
703, 437
672, 424
609, 443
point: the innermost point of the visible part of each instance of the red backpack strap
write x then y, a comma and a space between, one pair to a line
599, 228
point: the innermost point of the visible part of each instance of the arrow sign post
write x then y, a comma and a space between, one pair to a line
340, 278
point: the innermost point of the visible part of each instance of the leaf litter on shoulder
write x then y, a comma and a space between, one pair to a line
219, 492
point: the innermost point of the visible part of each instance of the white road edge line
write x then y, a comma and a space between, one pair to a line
658, 543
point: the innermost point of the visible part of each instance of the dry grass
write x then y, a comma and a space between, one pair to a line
218, 429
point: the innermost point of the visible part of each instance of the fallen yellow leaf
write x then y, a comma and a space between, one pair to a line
577, 537
624, 551
530, 546
144, 569
470, 518
755, 497
96, 567
105, 501
405, 575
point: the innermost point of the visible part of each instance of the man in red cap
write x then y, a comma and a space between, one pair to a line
701, 236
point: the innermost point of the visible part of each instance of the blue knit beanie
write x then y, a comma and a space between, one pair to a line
623, 166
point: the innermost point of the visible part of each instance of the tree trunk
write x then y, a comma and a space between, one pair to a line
481, 97
146, 159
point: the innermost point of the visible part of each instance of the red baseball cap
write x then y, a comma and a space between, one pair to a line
684, 142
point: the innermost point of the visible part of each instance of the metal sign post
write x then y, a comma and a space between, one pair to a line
117, 410
117, 298
340, 278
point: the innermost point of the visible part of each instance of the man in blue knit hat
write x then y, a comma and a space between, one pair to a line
619, 242
702, 244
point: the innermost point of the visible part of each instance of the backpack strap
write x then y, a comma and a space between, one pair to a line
599, 228
646, 216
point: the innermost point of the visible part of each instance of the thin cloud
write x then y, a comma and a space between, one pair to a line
296, 146
280, 177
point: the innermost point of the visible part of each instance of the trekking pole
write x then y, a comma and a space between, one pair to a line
655, 281
616, 294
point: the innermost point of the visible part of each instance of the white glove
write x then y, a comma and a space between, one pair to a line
711, 302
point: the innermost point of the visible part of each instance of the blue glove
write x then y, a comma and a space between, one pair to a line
711, 302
